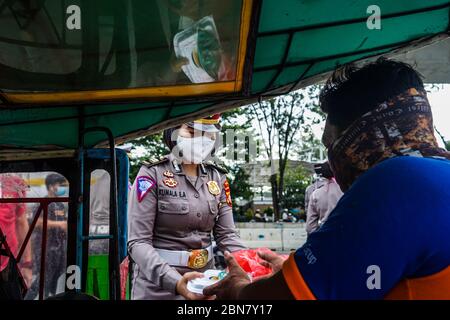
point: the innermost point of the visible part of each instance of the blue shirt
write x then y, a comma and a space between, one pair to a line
395, 217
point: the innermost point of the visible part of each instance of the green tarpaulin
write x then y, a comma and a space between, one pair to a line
131, 44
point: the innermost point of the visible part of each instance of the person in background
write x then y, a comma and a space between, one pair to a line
14, 223
285, 215
258, 217
323, 200
389, 235
318, 182
292, 218
99, 205
57, 186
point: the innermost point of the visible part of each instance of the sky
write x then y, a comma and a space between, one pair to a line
439, 101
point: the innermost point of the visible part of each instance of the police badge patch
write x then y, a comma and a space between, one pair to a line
143, 186
168, 174
170, 182
213, 188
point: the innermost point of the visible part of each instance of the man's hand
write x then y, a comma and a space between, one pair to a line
182, 286
271, 260
230, 287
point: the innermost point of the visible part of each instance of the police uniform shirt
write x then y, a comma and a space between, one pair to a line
310, 189
322, 201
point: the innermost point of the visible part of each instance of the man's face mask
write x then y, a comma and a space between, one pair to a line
194, 150
61, 191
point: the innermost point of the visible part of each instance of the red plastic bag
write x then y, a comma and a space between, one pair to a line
123, 278
250, 262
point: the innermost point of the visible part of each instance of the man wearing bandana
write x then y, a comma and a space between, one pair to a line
389, 235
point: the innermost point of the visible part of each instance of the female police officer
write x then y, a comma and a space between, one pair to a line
174, 206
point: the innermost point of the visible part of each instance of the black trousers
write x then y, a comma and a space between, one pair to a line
55, 266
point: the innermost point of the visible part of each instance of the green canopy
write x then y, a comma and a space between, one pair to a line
138, 66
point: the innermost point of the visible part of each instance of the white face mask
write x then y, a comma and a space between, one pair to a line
194, 150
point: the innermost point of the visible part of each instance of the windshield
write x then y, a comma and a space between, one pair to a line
48, 46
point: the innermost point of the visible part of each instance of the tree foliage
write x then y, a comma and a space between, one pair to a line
149, 148
280, 122
239, 184
296, 181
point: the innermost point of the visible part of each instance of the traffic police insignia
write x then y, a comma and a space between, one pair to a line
170, 182
168, 174
213, 188
143, 186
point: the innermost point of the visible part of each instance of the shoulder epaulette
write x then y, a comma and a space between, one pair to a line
155, 162
216, 166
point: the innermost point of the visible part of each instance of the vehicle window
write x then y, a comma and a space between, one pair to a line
156, 43
16, 220
97, 282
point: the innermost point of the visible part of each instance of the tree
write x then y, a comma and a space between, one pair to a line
239, 186
296, 181
279, 121
149, 148
309, 148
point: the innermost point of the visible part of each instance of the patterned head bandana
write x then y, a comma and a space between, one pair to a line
400, 126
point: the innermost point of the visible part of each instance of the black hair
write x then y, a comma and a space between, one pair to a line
167, 137
53, 179
324, 170
351, 92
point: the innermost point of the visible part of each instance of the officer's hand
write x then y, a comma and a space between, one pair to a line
230, 287
271, 260
182, 286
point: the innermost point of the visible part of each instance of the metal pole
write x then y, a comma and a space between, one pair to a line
79, 235
79, 238
43, 253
